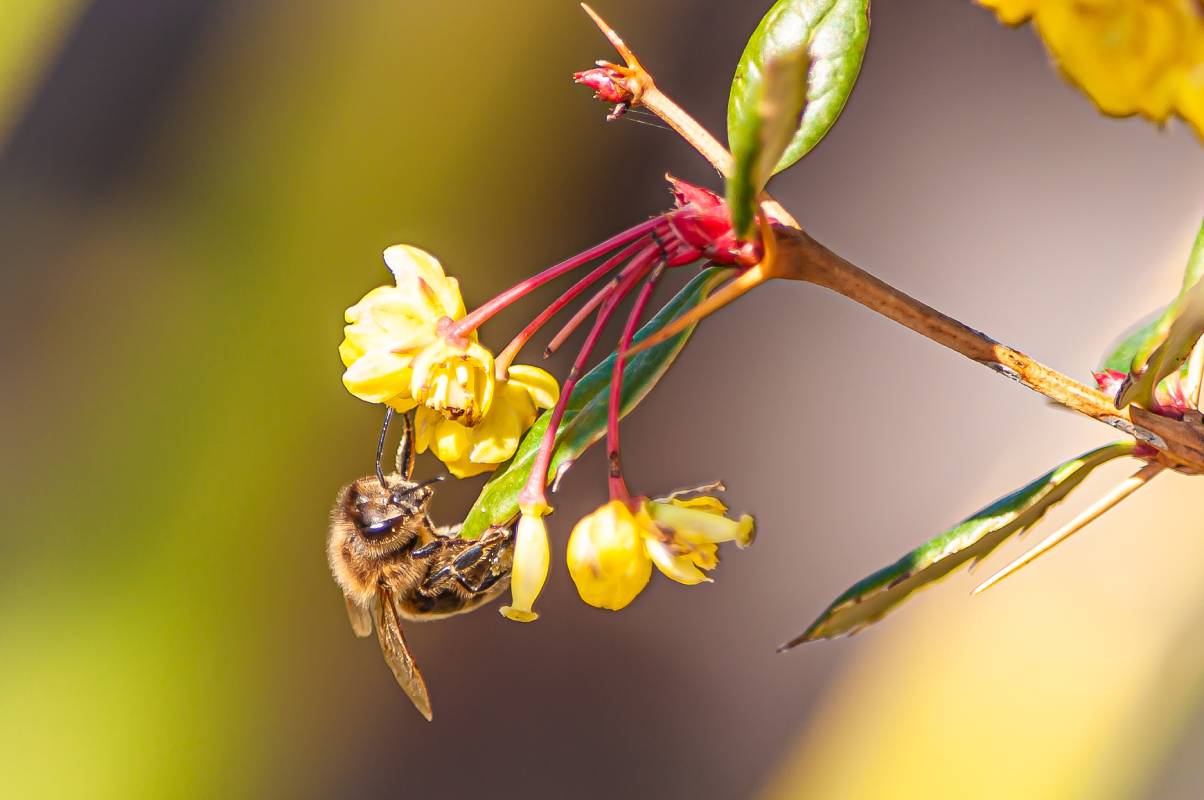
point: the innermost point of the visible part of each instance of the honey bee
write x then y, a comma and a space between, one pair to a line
392, 563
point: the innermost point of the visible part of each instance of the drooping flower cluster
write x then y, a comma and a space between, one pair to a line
1129, 56
399, 349
412, 345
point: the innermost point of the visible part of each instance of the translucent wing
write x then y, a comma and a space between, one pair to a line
361, 618
397, 652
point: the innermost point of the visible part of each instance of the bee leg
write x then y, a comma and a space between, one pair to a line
405, 448
427, 549
450, 571
449, 530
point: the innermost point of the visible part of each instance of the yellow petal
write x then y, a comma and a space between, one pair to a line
414, 267
678, 566
498, 435
539, 384
378, 377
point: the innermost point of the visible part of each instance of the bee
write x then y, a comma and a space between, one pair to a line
392, 563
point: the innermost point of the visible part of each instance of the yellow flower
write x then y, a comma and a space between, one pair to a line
1129, 56
455, 379
471, 451
530, 568
606, 557
392, 324
611, 551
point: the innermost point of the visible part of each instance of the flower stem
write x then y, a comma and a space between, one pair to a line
533, 493
484, 313
618, 486
506, 357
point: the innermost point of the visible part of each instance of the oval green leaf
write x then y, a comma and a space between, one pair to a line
975, 537
584, 419
833, 33
759, 141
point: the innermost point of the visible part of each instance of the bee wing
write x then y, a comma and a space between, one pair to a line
397, 652
361, 618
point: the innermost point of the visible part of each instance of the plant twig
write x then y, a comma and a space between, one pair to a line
799, 257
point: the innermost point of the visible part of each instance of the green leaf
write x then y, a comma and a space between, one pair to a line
759, 140
1120, 356
1172, 336
584, 419
833, 33
973, 538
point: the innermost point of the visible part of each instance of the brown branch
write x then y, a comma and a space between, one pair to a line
799, 257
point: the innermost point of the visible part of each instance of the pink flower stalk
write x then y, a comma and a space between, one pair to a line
697, 228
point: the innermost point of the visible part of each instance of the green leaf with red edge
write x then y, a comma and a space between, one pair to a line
833, 33
760, 139
975, 537
1170, 338
585, 415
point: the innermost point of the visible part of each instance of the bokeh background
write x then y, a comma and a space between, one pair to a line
190, 194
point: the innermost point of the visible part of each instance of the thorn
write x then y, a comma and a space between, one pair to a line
1089, 515
613, 37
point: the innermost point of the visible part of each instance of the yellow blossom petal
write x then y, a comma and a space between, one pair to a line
455, 380
539, 384
607, 559
530, 569
378, 377
1129, 56
700, 525
680, 566
412, 266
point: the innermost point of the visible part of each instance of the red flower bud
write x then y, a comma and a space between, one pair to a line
608, 84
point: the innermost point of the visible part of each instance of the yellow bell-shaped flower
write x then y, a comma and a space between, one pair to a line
606, 557
530, 567
471, 451
390, 325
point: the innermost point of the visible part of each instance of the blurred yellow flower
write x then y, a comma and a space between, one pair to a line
471, 451
1129, 56
611, 551
530, 569
392, 324
454, 377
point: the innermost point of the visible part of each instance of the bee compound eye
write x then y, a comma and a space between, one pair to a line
382, 527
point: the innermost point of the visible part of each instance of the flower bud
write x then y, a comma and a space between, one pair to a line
607, 559
530, 568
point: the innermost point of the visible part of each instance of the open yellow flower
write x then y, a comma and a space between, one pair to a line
530, 568
1129, 56
611, 551
391, 325
471, 451
454, 377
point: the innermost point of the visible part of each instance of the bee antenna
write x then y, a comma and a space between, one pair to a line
380, 448
400, 493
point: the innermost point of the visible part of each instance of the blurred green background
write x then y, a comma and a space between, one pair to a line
191, 193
